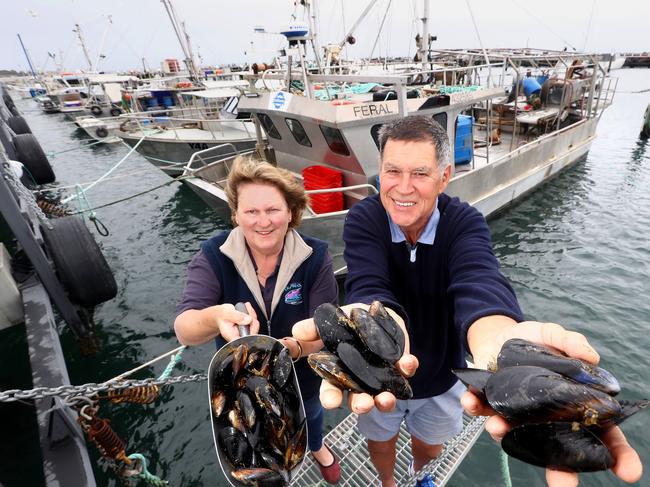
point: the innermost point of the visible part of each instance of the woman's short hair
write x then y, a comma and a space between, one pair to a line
248, 170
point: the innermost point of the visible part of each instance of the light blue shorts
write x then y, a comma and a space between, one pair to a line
432, 420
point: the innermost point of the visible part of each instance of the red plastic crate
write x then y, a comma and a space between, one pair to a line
321, 177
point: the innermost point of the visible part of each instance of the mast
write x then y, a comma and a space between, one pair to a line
424, 45
77, 29
101, 46
29, 60
184, 40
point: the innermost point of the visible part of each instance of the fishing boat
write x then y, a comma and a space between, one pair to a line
506, 144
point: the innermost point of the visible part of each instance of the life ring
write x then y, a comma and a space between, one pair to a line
184, 84
79, 262
96, 110
18, 124
101, 132
115, 112
30, 153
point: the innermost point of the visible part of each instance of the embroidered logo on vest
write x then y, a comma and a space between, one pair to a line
293, 293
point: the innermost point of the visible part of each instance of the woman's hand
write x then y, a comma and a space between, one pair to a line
226, 318
331, 396
627, 464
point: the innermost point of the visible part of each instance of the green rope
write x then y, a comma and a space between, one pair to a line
505, 469
172, 363
145, 474
81, 146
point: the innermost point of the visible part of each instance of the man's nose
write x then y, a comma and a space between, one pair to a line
404, 185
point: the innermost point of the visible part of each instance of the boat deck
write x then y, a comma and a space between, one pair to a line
192, 135
357, 470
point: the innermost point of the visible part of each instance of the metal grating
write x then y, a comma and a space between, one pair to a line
357, 470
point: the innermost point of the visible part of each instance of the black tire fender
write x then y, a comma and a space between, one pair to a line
101, 132
6, 141
96, 110
79, 262
30, 153
115, 112
18, 124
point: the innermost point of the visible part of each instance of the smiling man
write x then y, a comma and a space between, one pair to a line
429, 258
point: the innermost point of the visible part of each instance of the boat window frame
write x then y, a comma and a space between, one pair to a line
271, 130
301, 138
335, 140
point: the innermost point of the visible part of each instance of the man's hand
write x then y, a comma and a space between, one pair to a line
488, 339
330, 396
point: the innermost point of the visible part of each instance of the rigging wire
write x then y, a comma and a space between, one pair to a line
591, 16
480, 41
381, 26
543, 24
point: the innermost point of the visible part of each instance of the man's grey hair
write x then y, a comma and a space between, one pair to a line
417, 128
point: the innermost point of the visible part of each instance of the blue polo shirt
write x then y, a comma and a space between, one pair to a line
427, 237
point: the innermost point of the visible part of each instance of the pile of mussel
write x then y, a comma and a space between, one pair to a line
560, 407
257, 414
361, 350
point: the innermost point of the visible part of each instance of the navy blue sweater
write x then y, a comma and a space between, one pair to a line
451, 284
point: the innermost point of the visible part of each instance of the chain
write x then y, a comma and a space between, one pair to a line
26, 195
88, 390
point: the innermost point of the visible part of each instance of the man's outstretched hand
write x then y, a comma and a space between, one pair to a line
331, 396
627, 464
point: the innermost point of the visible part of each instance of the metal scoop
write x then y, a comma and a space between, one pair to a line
256, 410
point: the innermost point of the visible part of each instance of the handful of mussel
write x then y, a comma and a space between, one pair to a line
560, 407
257, 413
361, 350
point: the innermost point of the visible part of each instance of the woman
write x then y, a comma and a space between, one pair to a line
280, 275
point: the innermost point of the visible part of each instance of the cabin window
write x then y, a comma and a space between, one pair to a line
298, 131
374, 132
269, 128
334, 140
441, 118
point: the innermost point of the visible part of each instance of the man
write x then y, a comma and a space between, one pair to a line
429, 259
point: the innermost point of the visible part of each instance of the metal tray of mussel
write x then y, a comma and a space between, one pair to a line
258, 419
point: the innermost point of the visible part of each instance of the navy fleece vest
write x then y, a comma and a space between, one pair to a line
292, 307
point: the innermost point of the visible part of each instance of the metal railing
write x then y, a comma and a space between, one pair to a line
343, 189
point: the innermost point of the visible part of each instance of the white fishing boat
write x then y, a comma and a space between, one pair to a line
504, 147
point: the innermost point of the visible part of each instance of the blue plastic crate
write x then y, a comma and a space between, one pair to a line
463, 144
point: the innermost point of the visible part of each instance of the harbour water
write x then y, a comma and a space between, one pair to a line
575, 250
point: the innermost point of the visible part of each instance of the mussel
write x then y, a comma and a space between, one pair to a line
560, 446
362, 350
530, 394
516, 352
259, 477
234, 444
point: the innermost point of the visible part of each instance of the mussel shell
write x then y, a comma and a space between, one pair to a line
373, 379
244, 406
528, 394
390, 326
265, 395
329, 367
281, 370
560, 446
235, 447
333, 326
218, 403
260, 477
522, 352
374, 337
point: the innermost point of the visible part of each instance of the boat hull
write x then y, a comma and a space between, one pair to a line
171, 156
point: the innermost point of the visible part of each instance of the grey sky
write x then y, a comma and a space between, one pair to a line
222, 30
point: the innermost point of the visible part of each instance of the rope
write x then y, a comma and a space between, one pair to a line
505, 469
179, 178
175, 358
145, 474
66, 200
177, 351
81, 146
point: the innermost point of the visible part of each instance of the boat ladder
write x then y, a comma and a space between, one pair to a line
349, 445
